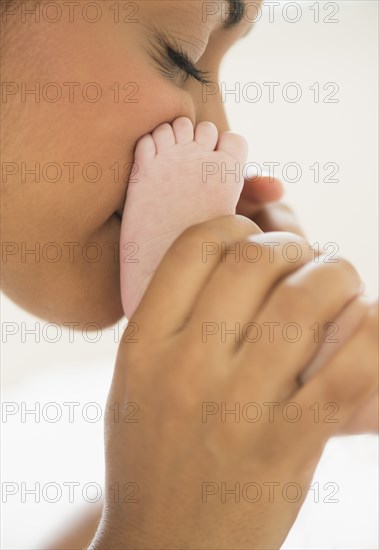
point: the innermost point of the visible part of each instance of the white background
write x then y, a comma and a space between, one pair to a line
344, 212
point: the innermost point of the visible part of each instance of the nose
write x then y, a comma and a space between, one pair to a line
209, 106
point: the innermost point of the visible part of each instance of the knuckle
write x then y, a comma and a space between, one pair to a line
292, 238
286, 238
344, 269
283, 249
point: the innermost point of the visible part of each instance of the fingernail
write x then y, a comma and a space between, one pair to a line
254, 172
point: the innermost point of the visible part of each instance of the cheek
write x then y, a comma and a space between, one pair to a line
83, 144
71, 161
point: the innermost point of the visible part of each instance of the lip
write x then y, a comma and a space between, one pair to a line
120, 211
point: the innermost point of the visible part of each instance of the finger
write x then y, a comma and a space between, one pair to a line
259, 189
185, 269
240, 285
348, 380
296, 318
366, 420
347, 323
278, 217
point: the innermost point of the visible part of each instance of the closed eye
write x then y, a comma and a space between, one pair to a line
173, 61
183, 62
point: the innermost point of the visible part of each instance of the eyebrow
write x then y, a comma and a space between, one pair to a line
237, 13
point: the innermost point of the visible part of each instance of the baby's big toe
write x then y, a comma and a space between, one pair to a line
233, 145
206, 134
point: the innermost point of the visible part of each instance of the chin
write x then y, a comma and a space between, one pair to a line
72, 304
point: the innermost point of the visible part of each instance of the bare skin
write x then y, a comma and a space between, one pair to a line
174, 451
357, 310
210, 169
81, 534
107, 132
76, 130
178, 184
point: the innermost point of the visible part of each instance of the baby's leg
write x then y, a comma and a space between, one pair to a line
183, 177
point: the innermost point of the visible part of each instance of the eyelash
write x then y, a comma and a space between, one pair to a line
176, 60
180, 60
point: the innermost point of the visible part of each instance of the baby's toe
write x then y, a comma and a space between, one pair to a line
145, 149
183, 130
164, 137
233, 145
206, 134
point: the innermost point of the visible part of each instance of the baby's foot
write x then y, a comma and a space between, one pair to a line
182, 177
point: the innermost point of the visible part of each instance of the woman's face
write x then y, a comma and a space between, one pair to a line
77, 95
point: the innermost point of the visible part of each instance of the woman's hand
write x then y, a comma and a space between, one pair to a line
277, 216
260, 202
211, 442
